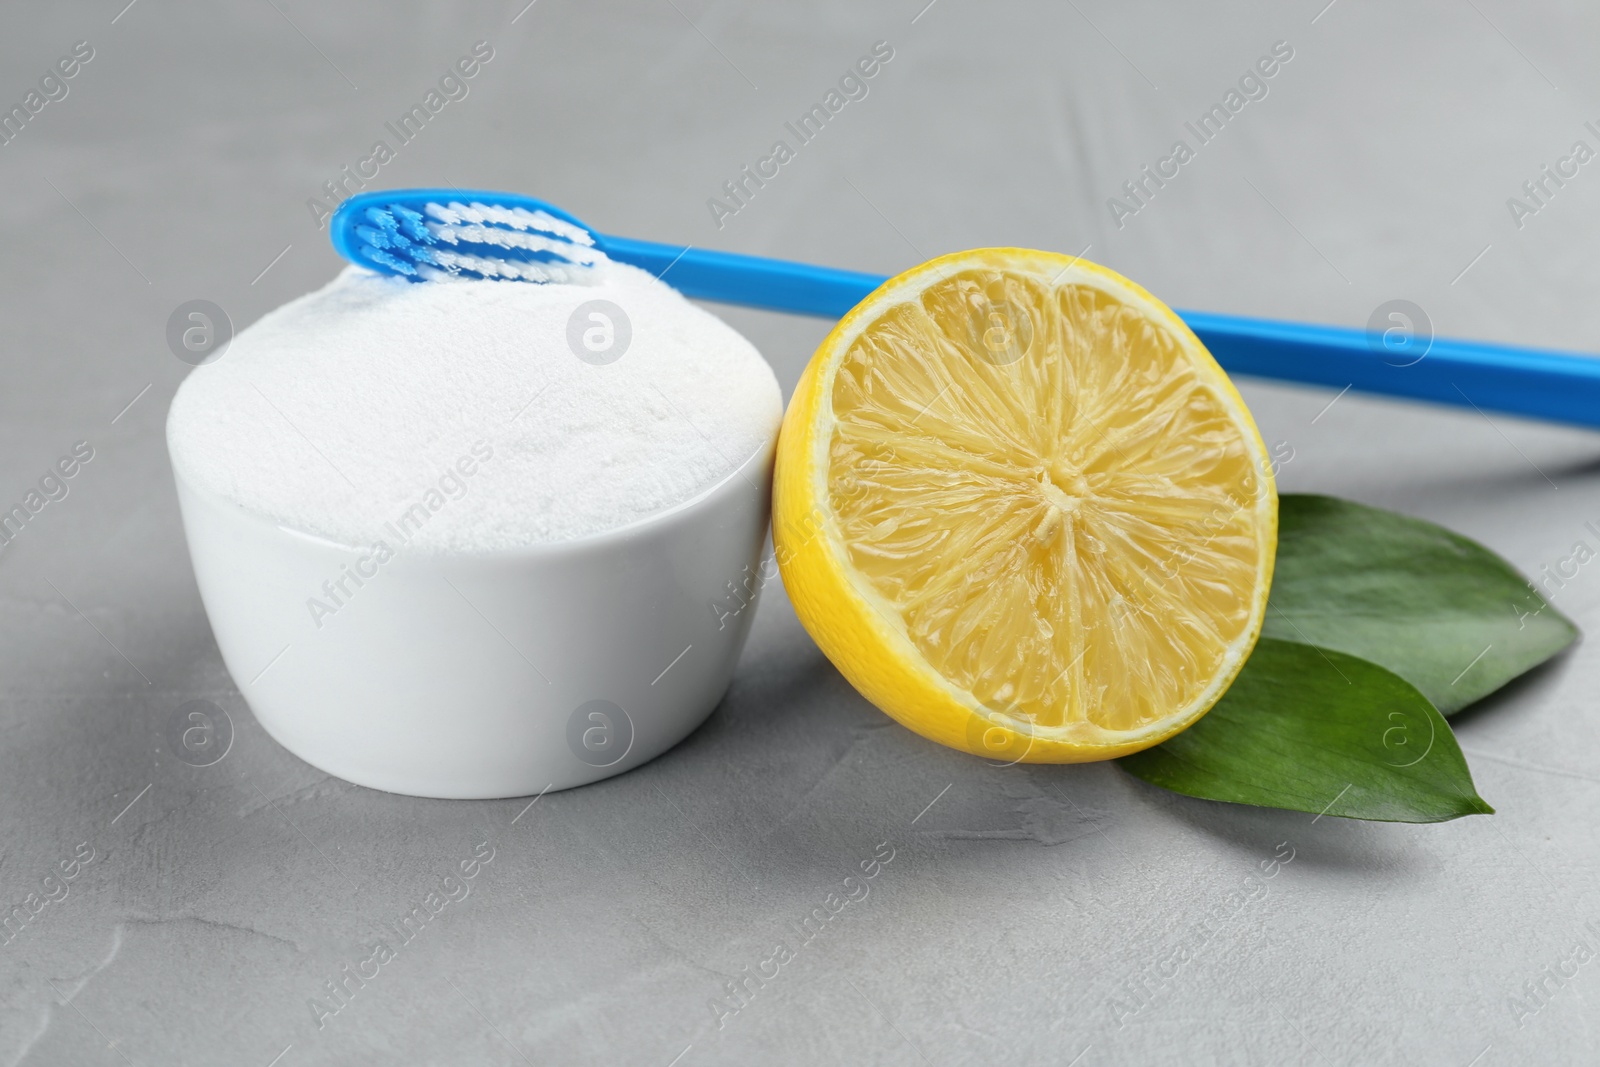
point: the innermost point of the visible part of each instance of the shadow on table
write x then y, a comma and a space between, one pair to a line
1385, 851
1538, 682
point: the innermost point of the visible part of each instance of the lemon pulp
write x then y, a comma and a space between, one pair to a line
1046, 491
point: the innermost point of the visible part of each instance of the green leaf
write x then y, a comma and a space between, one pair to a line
1319, 731
1443, 612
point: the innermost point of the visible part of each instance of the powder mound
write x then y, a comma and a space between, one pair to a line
459, 416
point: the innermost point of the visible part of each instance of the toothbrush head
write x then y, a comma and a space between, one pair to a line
428, 234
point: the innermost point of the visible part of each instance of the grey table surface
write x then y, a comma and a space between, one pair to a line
1021, 907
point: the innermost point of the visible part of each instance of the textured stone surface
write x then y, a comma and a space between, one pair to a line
1018, 907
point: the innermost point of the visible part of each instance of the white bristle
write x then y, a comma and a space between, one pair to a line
441, 213
487, 235
455, 213
455, 262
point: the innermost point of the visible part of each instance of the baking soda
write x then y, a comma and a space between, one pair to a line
584, 408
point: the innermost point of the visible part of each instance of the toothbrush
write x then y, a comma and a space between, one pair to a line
429, 233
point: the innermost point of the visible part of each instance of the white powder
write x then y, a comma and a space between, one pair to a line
344, 410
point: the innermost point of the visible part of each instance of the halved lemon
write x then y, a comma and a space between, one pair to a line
1022, 509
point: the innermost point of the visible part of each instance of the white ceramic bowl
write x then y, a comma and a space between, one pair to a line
494, 674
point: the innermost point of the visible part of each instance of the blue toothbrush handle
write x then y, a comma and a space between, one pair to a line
1540, 384
1557, 386
731, 278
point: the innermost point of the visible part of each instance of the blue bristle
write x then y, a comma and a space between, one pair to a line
375, 238
384, 221
411, 222
392, 262
418, 253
